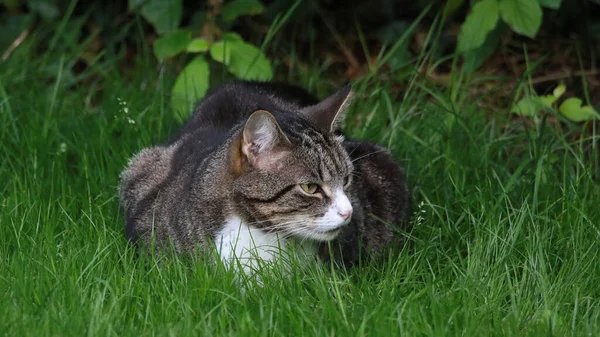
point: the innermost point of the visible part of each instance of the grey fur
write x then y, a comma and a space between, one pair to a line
181, 192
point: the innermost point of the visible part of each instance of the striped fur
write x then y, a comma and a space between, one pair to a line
230, 162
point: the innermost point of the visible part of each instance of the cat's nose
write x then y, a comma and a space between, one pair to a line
346, 214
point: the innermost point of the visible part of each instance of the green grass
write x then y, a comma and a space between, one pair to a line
505, 238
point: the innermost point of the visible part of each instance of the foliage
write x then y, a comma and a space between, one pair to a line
477, 39
241, 58
164, 15
571, 108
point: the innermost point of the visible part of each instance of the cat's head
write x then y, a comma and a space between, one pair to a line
292, 173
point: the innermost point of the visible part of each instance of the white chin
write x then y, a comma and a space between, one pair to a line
323, 235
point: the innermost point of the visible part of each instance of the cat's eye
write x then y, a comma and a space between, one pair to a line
309, 188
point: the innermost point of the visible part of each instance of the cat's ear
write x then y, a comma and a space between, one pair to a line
263, 142
329, 113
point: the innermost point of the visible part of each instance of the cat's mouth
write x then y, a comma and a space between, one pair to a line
327, 234
322, 232
331, 231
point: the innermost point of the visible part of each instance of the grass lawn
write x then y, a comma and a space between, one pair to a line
505, 238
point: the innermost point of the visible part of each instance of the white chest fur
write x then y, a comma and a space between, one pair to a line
250, 248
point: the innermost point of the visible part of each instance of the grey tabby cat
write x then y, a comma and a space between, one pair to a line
262, 166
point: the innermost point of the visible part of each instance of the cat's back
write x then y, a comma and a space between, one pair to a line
145, 170
232, 103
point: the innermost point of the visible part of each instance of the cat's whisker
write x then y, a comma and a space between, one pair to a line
270, 220
368, 154
304, 239
283, 225
300, 232
291, 228
354, 149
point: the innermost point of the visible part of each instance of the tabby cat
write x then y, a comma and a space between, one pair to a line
260, 167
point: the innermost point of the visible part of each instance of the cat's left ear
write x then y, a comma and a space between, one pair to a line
263, 142
328, 114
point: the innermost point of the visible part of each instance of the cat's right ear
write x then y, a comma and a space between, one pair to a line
329, 113
263, 142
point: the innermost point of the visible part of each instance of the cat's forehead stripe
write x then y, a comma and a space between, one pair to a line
325, 173
327, 151
335, 159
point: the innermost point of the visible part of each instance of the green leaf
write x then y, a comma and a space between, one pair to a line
554, 4
242, 59
233, 9
528, 106
531, 105
231, 36
249, 62
172, 44
523, 16
164, 15
190, 86
547, 101
197, 46
559, 90
573, 110
220, 51
474, 58
479, 23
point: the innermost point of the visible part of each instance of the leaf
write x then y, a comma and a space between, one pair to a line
528, 106
546, 101
164, 15
531, 105
479, 23
190, 86
249, 62
233, 9
197, 46
242, 59
559, 90
523, 16
554, 4
172, 44
474, 58
220, 51
573, 110
231, 36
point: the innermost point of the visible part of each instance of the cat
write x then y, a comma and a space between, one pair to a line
260, 167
